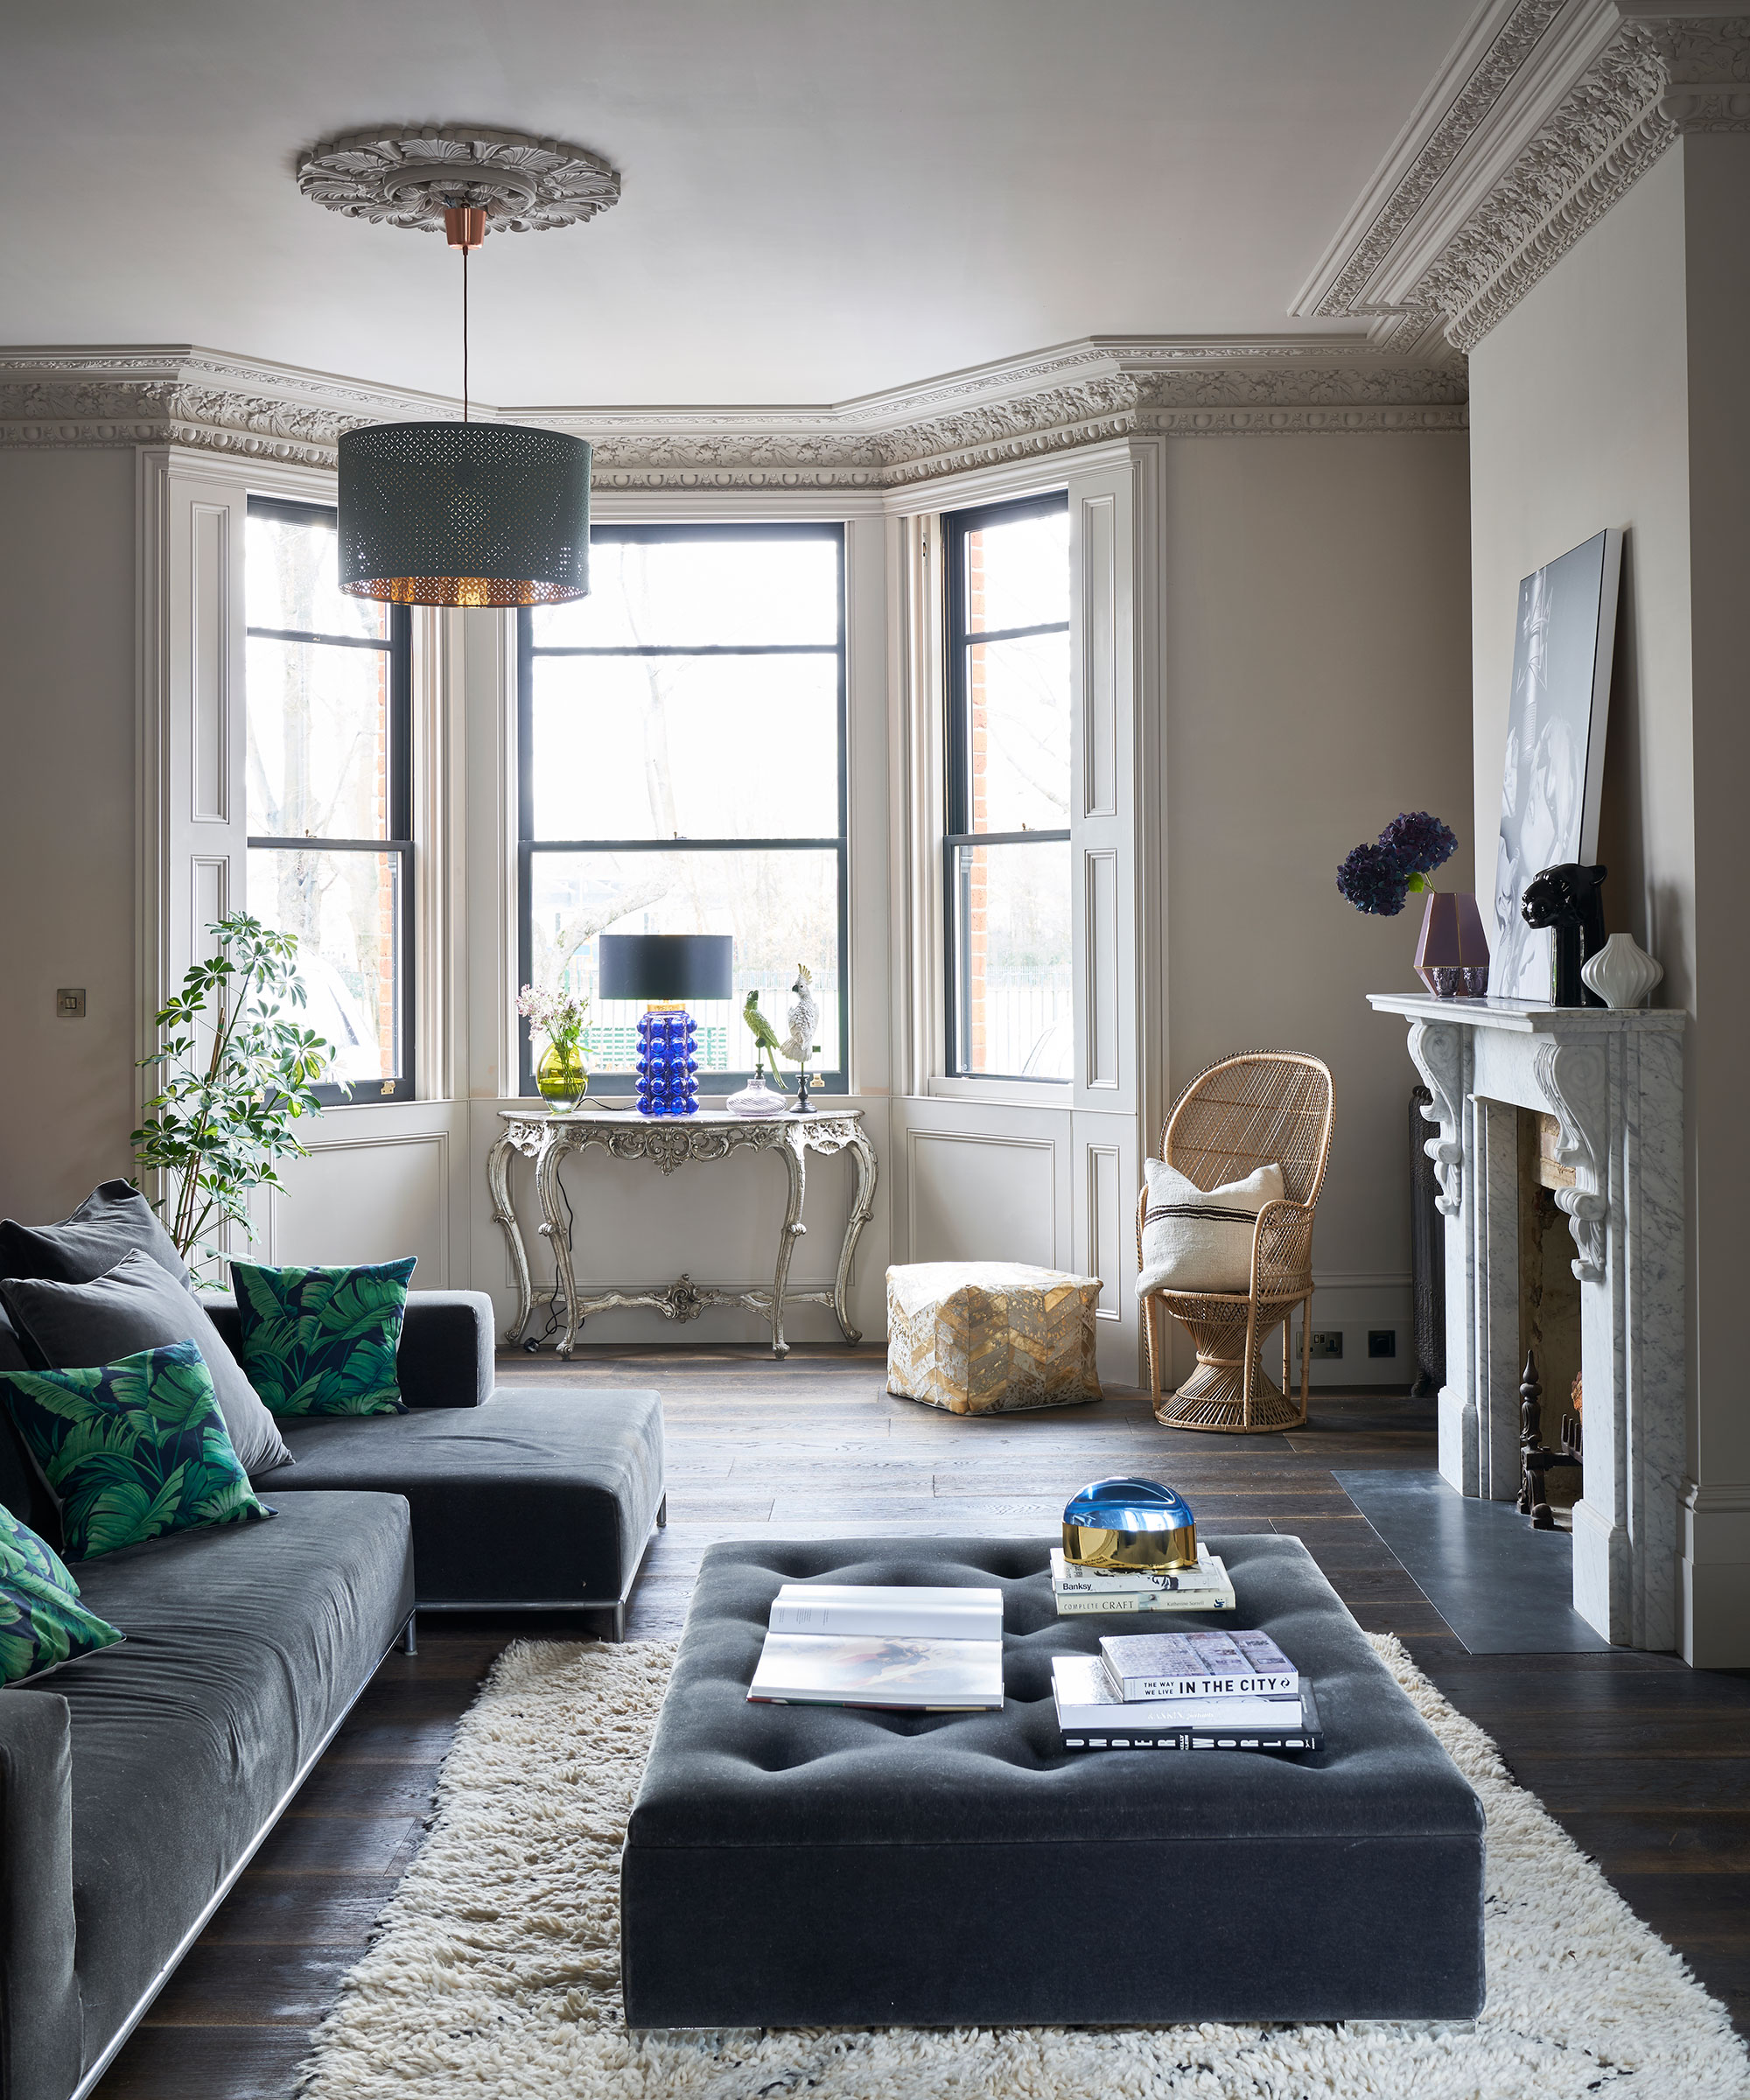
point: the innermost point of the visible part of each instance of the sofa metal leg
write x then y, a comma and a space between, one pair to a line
409, 1638
618, 1633
662, 1513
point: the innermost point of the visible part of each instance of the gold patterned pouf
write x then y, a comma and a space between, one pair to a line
981, 1338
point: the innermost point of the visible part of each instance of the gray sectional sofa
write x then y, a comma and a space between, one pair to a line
136, 1783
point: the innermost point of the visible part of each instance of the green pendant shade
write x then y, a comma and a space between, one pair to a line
464, 514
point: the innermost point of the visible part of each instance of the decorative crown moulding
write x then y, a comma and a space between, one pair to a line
1048, 401
1544, 115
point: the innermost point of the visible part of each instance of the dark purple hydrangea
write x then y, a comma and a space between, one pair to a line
1374, 880
1418, 842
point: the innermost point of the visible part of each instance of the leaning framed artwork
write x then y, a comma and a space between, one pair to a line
1554, 770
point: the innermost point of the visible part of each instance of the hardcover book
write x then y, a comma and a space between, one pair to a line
1197, 1666
939, 1615
1092, 1719
1079, 1604
904, 1649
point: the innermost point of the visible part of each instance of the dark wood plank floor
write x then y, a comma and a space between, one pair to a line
1645, 1762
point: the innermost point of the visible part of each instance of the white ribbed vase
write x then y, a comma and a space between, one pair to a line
1621, 973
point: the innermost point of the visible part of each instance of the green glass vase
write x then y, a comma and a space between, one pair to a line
563, 1075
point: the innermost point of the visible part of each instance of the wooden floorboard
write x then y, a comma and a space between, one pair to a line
1637, 1756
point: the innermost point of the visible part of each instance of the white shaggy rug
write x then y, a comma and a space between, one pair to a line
497, 1968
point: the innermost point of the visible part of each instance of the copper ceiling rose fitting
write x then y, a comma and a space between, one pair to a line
465, 225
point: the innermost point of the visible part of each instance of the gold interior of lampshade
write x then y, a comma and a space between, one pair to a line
1091, 1546
460, 591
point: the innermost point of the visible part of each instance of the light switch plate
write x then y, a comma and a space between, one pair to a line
70, 1002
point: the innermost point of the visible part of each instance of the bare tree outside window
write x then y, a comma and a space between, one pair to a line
682, 734
328, 791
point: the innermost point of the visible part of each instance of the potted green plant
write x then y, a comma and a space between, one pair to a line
224, 1115
562, 1073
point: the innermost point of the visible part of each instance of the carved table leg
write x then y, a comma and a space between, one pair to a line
558, 1235
498, 1187
860, 1210
793, 1147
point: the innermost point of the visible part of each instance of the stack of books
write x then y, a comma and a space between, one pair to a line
906, 1650
1185, 1691
1080, 1590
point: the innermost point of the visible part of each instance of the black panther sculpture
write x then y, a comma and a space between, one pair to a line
1566, 898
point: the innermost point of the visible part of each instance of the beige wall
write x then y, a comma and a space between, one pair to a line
1614, 394
67, 823
1578, 420
1317, 682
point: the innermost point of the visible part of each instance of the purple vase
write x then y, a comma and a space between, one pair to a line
1451, 956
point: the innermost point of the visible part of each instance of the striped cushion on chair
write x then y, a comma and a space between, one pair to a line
1196, 1239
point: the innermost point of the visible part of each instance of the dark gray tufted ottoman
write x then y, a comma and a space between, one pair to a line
798, 1866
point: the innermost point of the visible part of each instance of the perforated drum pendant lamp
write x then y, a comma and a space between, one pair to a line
468, 513
464, 514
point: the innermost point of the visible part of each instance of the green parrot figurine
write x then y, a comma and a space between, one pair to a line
765, 1035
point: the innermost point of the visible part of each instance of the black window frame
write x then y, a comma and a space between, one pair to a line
398, 646
957, 526
835, 1081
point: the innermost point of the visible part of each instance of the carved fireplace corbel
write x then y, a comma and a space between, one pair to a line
1574, 1078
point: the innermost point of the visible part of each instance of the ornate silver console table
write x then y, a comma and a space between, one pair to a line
712, 1134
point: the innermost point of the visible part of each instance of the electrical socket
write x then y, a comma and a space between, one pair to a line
1381, 1341
1329, 1342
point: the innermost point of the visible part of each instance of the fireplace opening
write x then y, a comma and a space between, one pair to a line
1550, 1304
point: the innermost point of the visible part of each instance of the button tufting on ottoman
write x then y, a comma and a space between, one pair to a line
801, 1866
984, 1338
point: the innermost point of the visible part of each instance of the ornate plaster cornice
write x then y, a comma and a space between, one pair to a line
1046, 403
1545, 114
202, 399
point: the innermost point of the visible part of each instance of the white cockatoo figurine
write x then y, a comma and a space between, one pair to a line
803, 1019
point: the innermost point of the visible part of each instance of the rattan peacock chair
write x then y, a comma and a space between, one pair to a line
1241, 1114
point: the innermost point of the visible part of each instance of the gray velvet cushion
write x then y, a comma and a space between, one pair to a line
789, 1867
446, 1353
245, 1647
113, 1220
536, 1497
139, 1305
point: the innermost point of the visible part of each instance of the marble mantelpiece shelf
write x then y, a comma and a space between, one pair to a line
1520, 1018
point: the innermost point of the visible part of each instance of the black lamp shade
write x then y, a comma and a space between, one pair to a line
659, 967
464, 514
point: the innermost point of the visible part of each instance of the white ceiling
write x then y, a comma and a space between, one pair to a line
823, 198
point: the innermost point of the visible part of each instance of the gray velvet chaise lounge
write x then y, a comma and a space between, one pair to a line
136, 1783
802, 1867
521, 1501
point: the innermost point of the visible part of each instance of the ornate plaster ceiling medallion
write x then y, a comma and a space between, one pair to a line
409, 177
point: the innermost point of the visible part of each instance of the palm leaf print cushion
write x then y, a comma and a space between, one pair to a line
322, 1341
42, 1622
132, 1450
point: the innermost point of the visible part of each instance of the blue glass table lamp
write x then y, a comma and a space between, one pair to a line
1129, 1523
665, 970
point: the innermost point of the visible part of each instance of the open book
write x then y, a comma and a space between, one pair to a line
917, 1650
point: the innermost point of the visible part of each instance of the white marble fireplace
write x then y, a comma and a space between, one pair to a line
1613, 1081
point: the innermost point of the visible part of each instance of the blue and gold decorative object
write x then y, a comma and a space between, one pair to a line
1129, 1523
